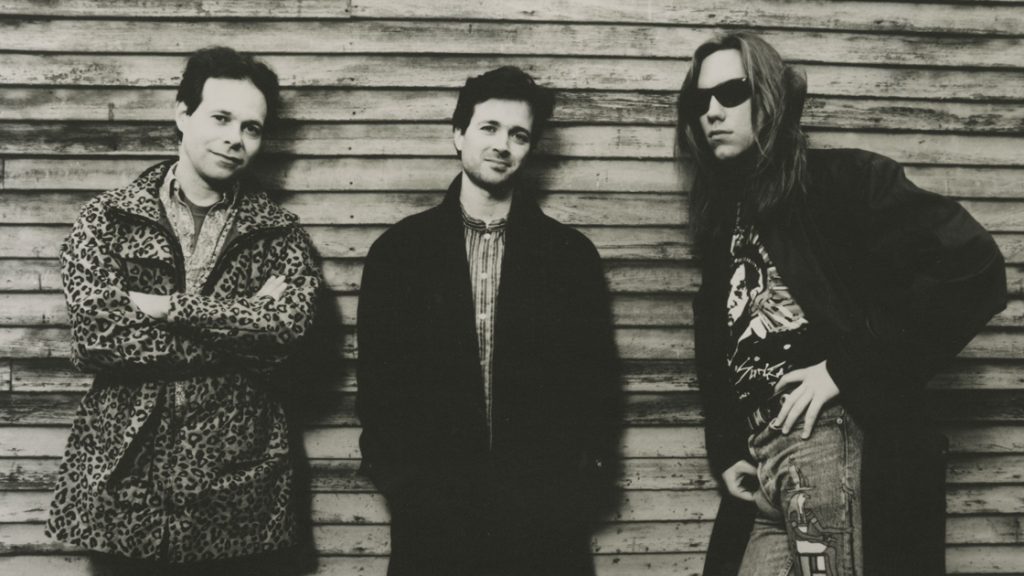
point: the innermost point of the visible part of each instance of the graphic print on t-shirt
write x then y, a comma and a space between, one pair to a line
768, 328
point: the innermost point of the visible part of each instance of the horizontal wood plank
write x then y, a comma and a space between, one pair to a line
400, 36
65, 562
444, 71
846, 15
352, 139
420, 174
36, 241
332, 408
341, 475
179, 8
636, 442
416, 105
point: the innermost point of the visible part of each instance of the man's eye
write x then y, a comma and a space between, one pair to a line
253, 130
488, 129
521, 138
220, 118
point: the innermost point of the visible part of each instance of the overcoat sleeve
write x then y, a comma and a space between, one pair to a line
940, 278
108, 332
380, 369
260, 331
596, 364
725, 436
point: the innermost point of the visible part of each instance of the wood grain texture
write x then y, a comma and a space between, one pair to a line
450, 71
894, 16
402, 36
179, 8
420, 174
86, 89
435, 140
636, 442
587, 107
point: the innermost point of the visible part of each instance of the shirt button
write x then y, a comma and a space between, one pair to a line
487, 236
839, 420
482, 316
483, 275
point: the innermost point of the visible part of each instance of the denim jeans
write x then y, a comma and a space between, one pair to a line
808, 521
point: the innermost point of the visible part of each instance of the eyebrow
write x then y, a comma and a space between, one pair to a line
512, 127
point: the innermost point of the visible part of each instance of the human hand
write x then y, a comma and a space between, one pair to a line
738, 478
274, 287
807, 399
153, 305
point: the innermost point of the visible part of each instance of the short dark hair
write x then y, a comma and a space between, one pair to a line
505, 83
223, 62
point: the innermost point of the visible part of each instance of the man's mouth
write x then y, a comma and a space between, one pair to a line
230, 159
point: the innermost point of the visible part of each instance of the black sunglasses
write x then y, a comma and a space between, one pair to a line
729, 93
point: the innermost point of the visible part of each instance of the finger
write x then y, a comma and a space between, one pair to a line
797, 410
743, 494
735, 488
810, 417
745, 468
790, 377
787, 406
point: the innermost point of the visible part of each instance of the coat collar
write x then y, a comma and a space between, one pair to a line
523, 213
141, 198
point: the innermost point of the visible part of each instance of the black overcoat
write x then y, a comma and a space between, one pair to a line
898, 280
457, 504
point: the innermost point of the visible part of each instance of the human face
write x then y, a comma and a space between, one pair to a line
222, 135
495, 142
729, 131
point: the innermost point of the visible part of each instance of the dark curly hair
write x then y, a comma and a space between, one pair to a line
223, 62
506, 83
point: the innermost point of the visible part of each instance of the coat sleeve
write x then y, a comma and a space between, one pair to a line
260, 331
596, 365
942, 278
107, 330
381, 370
725, 430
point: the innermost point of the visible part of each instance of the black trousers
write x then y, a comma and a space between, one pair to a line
475, 530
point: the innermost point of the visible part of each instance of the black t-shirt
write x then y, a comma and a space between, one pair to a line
769, 332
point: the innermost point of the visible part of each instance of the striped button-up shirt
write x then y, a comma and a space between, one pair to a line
485, 249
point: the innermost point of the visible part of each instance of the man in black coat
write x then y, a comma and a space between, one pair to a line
833, 288
486, 362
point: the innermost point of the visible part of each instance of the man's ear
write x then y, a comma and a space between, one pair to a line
180, 115
458, 136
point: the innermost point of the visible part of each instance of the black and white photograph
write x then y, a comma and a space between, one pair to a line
511, 288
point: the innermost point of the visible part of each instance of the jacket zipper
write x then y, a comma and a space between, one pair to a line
233, 247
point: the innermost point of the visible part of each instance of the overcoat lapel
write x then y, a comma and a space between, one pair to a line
794, 249
458, 290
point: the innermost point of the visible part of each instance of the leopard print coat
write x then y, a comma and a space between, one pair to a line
179, 451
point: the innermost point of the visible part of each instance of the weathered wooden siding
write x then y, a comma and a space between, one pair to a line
86, 92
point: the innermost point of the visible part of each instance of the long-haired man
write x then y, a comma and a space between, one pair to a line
833, 289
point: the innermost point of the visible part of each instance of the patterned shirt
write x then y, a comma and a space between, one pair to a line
485, 249
770, 334
201, 239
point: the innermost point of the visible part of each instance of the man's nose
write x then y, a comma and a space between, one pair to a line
233, 136
715, 110
501, 144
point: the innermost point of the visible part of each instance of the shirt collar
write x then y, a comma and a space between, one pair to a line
478, 224
173, 188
